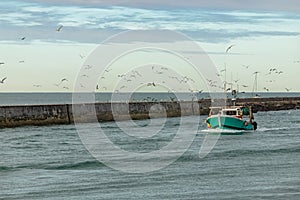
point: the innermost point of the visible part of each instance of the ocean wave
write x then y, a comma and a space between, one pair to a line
79, 165
63, 166
246, 153
5, 168
255, 153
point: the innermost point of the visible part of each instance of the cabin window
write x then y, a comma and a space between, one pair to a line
215, 111
231, 112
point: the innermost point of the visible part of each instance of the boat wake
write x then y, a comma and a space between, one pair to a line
224, 131
264, 129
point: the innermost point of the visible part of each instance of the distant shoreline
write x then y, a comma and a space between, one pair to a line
53, 98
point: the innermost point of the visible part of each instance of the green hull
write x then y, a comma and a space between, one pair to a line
228, 122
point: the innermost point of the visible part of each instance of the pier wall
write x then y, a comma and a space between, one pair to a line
12, 116
270, 104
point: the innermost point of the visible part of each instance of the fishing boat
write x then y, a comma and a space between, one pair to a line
232, 117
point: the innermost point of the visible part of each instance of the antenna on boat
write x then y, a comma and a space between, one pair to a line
225, 81
255, 87
225, 92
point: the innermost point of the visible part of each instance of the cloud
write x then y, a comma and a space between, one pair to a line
88, 24
286, 5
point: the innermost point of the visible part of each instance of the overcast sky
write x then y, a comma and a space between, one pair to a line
265, 35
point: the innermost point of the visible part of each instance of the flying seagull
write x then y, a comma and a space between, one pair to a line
2, 63
228, 48
151, 84
2, 81
23, 38
62, 80
266, 89
88, 67
107, 70
59, 28
287, 89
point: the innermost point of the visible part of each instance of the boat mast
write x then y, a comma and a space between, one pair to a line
255, 87
225, 79
225, 86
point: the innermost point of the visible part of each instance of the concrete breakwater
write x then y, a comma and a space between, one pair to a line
12, 116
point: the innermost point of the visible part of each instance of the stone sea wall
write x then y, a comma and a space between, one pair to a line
12, 116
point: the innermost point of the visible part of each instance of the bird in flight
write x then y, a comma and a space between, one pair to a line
266, 89
88, 66
23, 38
2, 81
59, 28
287, 89
2, 63
228, 48
107, 70
269, 73
151, 84
62, 80
37, 85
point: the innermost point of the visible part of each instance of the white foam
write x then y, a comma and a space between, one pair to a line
218, 130
263, 129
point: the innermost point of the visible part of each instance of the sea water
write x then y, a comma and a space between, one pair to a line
66, 98
51, 162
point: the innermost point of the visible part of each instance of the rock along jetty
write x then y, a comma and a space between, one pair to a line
13, 116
